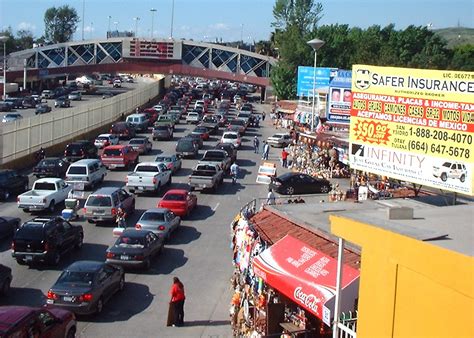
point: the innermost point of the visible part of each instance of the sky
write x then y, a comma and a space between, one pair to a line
231, 20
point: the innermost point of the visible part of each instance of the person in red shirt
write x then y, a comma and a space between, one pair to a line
177, 301
284, 158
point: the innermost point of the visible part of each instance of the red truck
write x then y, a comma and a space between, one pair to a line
119, 156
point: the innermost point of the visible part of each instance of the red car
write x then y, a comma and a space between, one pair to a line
179, 201
202, 132
23, 321
119, 156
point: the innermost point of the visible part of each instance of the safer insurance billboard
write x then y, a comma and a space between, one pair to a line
415, 125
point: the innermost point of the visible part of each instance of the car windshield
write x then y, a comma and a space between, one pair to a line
112, 152
137, 141
148, 169
161, 128
185, 145
99, 201
77, 170
44, 186
76, 277
163, 159
48, 163
74, 147
230, 136
30, 232
131, 242
102, 138
153, 216
174, 197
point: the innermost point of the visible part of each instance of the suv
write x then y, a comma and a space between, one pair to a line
85, 173
123, 130
45, 239
5, 279
138, 121
24, 321
12, 182
102, 206
80, 150
450, 170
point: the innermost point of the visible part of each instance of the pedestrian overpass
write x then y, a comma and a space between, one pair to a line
140, 56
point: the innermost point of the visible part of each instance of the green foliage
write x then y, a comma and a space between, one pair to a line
463, 58
24, 40
282, 77
60, 23
456, 36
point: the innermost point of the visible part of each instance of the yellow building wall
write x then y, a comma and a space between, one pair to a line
409, 288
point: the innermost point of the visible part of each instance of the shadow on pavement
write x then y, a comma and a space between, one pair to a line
24, 297
206, 323
183, 235
201, 212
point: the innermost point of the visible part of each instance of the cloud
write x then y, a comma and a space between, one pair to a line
89, 29
219, 26
26, 26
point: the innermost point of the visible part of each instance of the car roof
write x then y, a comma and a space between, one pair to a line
85, 161
177, 192
135, 233
89, 266
10, 315
117, 146
105, 191
136, 115
105, 135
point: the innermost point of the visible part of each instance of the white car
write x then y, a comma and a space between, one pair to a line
279, 140
199, 103
104, 140
84, 80
450, 170
193, 117
231, 137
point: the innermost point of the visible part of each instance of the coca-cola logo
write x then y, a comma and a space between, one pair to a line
310, 301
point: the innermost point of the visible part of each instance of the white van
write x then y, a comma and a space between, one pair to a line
138, 121
85, 174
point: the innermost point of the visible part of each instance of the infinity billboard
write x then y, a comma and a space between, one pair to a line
414, 125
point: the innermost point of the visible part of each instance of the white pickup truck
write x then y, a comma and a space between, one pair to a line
45, 195
148, 176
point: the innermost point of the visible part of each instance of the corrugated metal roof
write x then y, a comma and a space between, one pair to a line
272, 227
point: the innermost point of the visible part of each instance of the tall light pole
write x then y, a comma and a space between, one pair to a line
315, 44
83, 17
116, 26
4, 39
172, 19
108, 29
92, 29
152, 10
241, 33
136, 25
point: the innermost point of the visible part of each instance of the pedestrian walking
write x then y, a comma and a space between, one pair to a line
263, 116
256, 144
266, 150
177, 302
270, 197
284, 158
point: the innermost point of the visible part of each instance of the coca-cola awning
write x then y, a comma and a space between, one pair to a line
307, 276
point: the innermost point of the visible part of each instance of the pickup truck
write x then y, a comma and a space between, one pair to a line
165, 120
119, 156
148, 176
218, 157
211, 123
206, 176
45, 195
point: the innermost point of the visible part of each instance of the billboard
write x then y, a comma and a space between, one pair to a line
304, 85
340, 98
415, 125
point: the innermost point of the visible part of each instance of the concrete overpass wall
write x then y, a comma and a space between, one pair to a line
22, 138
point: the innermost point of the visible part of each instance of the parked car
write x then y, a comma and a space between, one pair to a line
124, 130
141, 144
161, 221
211, 123
79, 150
236, 124
8, 226
135, 248
295, 183
45, 239
85, 286
187, 147
180, 201
102, 205
5, 281
24, 321
62, 102
42, 108
85, 174
193, 117
51, 167
232, 137
12, 182
280, 140
75, 96
104, 140
11, 117
162, 133
172, 161
119, 156
45, 195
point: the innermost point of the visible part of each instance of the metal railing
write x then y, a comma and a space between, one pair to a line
347, 326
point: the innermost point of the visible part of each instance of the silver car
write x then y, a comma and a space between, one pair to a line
172, 162
160, 221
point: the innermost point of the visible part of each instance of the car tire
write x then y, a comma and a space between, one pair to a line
25, 187
146, 264
169, 181
55, 259
80, 242
52, 206
324, 189
122, 283
444, 177
20, 261
99, 306
5, 195
71, 333
289, 190
6, 286
462, 178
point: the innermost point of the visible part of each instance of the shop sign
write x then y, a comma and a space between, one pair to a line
304, 85
340, 98
414, 125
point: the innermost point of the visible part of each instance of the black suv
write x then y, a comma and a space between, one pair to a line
51, 167
5, 279
12, 182
45, 239
80, 150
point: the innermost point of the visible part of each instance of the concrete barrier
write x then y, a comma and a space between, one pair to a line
22, 138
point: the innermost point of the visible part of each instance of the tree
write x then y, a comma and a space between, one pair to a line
463, 58
60, 23
24, 39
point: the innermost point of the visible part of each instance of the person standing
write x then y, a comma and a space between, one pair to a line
284, 158
270, 197
177, 301
256, 144
266, 150
263, 116
234, 172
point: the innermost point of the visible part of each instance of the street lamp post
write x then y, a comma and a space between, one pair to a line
83, 17
315, 44
4, 39
153, 10
136, 25
108, 30
172, 19
116, 26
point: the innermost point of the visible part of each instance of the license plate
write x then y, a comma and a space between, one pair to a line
112, 165
141, 188
124, 257
49, 301
29, 258
68, 299
98, 212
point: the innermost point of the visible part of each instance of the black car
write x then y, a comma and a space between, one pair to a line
42, 108
14, 102
124, 130
8, 226
187, 147
197, 138
229, 148
51, 167
29, 102
296, 183
80, 150
11, 182
45, 239
5, 279
62, 102
85, 286
135, 248
5, 107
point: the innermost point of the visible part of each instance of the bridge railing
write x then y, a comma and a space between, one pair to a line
24, 137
